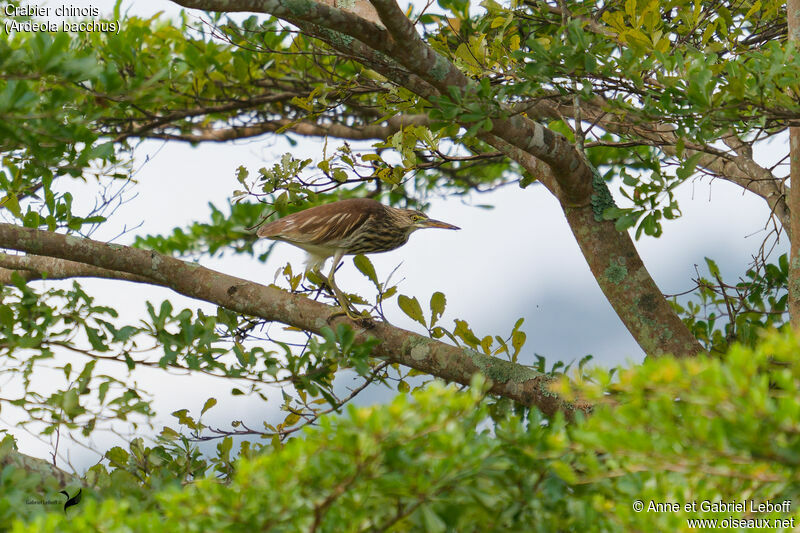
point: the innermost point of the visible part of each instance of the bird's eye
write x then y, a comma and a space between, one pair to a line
417, 218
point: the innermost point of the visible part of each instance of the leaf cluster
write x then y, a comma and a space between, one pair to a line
667, 431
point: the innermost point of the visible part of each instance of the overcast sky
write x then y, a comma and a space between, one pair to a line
517, 260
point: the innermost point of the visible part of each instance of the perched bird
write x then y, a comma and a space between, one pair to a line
347, 227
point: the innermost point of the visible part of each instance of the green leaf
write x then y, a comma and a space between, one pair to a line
102, 390
411, 307
94, 339
183, 417
169, 433
755, 7
486, 344
517, 341
244, 358
225, 446
211, 402
6, 316
438, 303
11, 203
364, 265
71, 404
86, 373
464, 332
117, 456
31, 220
497, 22
627, 221
102, 151
712, 267
388, 293
630, 9
432, 521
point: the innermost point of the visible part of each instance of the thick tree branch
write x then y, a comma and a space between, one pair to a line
570, 170
793, 21
738, 168
427, 73
32, 267
361, 8
36, 466
397, 345
432, 74
340, 20
619, 271
209, 133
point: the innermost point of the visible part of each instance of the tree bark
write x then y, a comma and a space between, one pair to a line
35, 466
793, 15
397, 345
396, 48
619, 271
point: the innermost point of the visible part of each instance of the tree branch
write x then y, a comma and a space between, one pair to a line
574, 177
32, 267
620, 272
301, 127
450, 363
793, 21
738, 168
36, 466
431, 74
610, 253
141, 127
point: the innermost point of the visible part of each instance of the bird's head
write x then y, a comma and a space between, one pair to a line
414, 220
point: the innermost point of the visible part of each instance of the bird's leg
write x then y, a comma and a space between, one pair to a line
313, 265
344, 303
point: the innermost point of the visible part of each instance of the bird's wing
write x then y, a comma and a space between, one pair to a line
325, 224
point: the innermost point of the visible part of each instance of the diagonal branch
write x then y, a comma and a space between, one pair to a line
450, 363
35, 466
430, 74
573, 175
409, 62
619, 271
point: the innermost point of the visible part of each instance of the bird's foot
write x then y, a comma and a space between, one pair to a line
363, 321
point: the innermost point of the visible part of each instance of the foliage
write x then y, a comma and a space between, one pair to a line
648, 92
33, 326
720, 313
668, 431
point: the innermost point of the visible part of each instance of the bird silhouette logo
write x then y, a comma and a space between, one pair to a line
71, 501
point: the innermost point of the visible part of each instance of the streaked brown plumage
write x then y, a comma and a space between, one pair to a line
347, 227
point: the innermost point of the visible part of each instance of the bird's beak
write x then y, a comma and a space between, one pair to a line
430, 223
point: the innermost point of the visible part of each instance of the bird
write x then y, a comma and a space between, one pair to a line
347, 227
